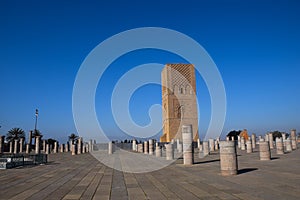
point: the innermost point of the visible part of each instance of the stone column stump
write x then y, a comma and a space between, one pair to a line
158, 152
91, 145
198, 143
110, 148
283, 136
293, 139
187, 141
44, 146
47, 150
169, 151
271, 142
216, 145
134, 145
243, 145
21, 145
27, 149
79, 145
151, 147
62, 147
249, 146
16, 146
67, 147
205, 148
288, 145
279, 146
253, 139
37, 145
55, 147
264, 151
211, 145
10, 147
145, 147
73, 149
140, 148
228, 158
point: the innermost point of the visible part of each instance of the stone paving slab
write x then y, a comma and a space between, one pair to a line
84, 177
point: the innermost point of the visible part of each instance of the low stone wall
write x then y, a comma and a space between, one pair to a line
11, 160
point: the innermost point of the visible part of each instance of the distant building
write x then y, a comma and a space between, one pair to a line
178, 100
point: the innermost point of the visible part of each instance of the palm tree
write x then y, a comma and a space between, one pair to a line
15, 134
73, 138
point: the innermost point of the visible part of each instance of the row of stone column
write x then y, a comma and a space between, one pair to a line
15, 146
78, 148
265, 150
282, 144
206, 147
247, 143
18, 146
148, 147
228, 155
81, 147
228, 158
186, 147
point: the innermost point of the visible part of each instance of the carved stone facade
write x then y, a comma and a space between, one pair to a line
178, 100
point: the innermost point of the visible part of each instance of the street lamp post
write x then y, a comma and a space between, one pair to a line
36, 118
35, 125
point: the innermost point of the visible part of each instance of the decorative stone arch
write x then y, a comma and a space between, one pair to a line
182, 89
188, 89
180, 111
176, 89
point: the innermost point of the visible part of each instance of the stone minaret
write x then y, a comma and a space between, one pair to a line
178, 100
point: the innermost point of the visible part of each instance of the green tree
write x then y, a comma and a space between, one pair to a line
73, 138
37, 133
51, 142
15, 134
276, 134
234, 133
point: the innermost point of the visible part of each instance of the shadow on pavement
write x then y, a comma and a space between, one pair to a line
207, 161
274, 158
246, 170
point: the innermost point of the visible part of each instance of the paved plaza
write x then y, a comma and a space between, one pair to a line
84, 177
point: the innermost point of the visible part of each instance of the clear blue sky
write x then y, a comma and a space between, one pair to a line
255, 45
